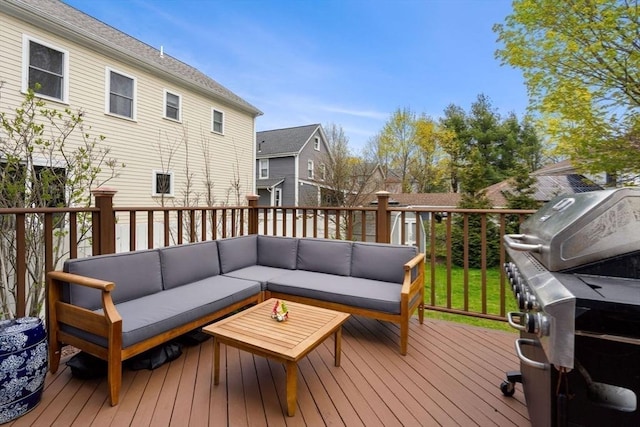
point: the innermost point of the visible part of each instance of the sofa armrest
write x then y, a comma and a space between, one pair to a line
409, 286
60, 276
108, 324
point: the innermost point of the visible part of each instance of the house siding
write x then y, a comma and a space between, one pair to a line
151, 142
282, 167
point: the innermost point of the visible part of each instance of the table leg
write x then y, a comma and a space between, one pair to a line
338, 345
292, 387
216, 361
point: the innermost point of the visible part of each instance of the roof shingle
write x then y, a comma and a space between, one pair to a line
283, 141
66, 18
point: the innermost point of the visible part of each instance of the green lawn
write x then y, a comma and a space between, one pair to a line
475, 295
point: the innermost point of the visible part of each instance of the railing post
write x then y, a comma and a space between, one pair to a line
104, 229
252, 200
382, 218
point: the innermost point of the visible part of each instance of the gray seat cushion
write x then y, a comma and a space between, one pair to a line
238, 252
381, 261
324, 256
135, 274
352, 291
188, 263
176, 307
258, 273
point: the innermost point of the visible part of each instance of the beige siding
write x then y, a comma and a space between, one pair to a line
151, 142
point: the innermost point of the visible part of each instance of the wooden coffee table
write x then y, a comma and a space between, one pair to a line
254, 330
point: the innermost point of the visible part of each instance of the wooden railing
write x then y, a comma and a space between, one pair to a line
35, 241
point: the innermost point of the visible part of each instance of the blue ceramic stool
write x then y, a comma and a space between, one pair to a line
23, 366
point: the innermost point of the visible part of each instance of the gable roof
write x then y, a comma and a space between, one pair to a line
288, 141
546, 186
68, 22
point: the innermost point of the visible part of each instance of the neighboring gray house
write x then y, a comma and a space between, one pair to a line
291, 165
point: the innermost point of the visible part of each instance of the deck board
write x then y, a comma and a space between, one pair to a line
449, 377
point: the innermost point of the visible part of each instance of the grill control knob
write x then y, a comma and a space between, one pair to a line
522, 298
517, 286
526, 300
537, 323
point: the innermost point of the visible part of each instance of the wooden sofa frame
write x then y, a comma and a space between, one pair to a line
107, 325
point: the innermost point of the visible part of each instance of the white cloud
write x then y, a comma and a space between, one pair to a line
368, 114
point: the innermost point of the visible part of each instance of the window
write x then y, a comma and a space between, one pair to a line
39, 186
122, 90
310, 169
218, 121
162, 183
46, 69
316, 144
277, 197
264, 168
51, 182
172, 106
323, 171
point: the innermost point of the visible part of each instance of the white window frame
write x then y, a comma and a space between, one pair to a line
164, 112
310, 169
26, 40
316, 144
277, 197
262, 162
107, 101
154, 180
213, 121
41, 163
323, 171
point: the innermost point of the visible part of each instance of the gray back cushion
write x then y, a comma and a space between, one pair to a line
238, 252
278, 252
135, 274
324, 256
189, 263
379, 261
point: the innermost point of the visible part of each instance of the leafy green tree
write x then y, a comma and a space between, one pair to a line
582, 69
520, 196
456, 144
399, 139
486, 136
427, 167
473, 235
47, 159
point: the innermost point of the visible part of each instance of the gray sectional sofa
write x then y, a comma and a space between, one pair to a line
117, 306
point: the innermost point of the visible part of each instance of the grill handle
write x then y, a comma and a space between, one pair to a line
510, 241
519, 326
525, 341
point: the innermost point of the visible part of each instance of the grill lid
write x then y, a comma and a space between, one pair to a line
578, 229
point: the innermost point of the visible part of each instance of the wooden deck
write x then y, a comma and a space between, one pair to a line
450, 376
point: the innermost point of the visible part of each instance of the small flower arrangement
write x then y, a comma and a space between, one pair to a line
280, 311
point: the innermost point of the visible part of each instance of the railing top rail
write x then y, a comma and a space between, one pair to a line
175, 208
13, 211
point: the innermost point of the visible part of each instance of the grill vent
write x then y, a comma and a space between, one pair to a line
535, 263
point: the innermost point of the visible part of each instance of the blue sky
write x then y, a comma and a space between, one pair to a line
349, 62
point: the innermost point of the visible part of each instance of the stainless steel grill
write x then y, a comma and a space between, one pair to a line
575, 272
